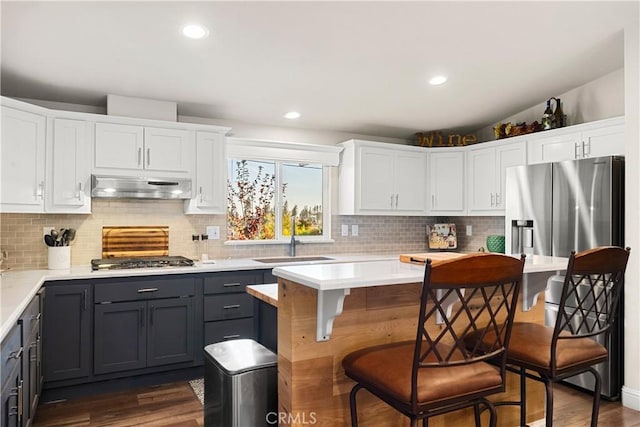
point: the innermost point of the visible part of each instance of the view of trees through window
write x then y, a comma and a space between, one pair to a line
263, 197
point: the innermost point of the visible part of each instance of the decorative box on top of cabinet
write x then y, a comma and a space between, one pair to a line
588, 140
382, 179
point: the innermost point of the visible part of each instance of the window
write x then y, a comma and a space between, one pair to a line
264, 196
270, 182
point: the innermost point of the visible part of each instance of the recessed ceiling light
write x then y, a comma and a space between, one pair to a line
195, 31
437, 80
292, 115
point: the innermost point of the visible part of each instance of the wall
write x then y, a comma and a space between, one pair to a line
631, 388
21, 234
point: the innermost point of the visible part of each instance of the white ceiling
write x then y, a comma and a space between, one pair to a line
358, 67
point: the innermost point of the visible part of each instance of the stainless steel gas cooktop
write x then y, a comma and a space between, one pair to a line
140, 262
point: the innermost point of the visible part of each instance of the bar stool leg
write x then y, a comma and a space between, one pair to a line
548, 385
352, 404
523, 397
596, 397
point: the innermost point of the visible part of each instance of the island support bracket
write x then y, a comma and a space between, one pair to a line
330, 305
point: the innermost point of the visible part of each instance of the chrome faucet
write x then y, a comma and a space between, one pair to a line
292, 243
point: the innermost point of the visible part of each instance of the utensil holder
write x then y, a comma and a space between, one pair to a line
59, 257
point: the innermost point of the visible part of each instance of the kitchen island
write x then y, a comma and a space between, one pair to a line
328, 311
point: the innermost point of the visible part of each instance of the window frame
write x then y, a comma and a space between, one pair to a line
281, 153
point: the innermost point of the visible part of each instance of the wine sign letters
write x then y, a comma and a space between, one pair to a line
435, 139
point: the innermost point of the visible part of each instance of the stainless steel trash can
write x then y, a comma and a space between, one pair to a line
240, 384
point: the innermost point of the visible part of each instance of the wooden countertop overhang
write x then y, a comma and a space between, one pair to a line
267, 293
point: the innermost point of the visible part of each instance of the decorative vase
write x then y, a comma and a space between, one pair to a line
495, 244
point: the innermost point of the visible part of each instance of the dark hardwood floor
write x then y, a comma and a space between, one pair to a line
175, 404
172, 404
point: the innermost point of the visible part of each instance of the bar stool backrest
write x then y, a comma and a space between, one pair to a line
483, 291
590, 294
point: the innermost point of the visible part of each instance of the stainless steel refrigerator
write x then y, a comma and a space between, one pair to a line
554, 208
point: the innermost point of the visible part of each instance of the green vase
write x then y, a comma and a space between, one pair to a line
495, 244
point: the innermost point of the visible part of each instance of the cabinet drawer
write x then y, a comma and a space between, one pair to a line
144, 289
31, 316
228, 330
230, 306
221, 283
11, 353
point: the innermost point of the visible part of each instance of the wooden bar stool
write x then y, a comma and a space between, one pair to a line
587, 309
436, 373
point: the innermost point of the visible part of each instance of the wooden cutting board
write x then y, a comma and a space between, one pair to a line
135, 241
421, 258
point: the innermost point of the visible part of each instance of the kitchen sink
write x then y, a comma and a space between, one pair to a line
290, 259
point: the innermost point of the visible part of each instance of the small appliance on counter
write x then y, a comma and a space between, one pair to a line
442, 237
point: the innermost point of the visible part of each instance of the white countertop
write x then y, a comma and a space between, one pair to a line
335, 281
384, 272
18, 287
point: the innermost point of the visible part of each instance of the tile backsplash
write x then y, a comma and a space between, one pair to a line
21, 234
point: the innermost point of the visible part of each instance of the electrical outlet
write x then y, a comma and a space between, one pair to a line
345, 230
213, 231
469, 230
354, 230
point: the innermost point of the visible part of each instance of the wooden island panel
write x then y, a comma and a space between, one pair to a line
312, 385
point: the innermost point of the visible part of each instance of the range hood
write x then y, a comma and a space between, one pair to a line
140, 188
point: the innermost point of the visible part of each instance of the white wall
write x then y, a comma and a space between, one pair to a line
631, 388
599, 99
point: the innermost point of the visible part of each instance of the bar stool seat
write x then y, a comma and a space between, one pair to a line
387, 368
530, 347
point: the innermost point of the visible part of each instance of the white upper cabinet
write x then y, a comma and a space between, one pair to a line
486, 175
446, 195
209, 187
138, 148
594, 139
23, 156
382, 179
68, 167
